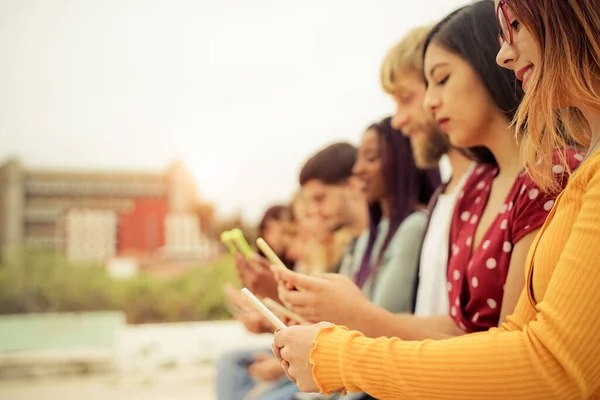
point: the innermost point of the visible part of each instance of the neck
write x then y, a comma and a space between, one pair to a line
360, 220
504, 147
385, 207
459, 164
593, 119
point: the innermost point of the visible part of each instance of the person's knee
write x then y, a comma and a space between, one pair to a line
284, 390
232, 359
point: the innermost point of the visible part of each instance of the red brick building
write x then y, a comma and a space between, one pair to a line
99, 215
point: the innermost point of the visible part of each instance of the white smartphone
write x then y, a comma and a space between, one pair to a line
273, 305
261, 308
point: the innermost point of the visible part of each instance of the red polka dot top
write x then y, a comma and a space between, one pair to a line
476, 276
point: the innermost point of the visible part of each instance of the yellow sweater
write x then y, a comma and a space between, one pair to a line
549, 348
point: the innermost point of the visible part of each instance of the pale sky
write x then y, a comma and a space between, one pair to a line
241, 91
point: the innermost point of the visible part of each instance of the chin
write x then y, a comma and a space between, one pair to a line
427, 163
371, 199
424, 161
460, 140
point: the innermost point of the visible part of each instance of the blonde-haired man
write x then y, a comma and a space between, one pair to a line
402, 78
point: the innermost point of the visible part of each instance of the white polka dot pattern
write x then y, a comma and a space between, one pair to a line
533, 193
477, 272
455, 249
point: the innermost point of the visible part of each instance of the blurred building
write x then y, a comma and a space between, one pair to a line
92, 215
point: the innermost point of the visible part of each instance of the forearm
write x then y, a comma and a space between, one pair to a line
494, 365
375, 322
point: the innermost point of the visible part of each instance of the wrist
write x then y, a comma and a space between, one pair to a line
360, 314
325, 358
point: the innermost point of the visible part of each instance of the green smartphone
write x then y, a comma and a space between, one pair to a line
239, 241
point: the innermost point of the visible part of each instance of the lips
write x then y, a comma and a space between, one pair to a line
524, 74
363, 184
442, 122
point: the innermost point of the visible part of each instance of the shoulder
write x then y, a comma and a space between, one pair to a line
412, 226
589, 172
416, 219
566, 161
342, 237
563, 164
361, 242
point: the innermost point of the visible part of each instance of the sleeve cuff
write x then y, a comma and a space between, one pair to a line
324, 357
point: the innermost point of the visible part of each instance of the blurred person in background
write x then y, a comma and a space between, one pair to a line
327, 214
256, 373
330, 208
254, 272
336, 209
385, 258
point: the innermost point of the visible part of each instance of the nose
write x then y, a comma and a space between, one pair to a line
506, 56
358, 168
432, 100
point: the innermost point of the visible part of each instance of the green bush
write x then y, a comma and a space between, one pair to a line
45, 282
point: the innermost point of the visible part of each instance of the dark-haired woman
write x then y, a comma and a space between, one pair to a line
383, 264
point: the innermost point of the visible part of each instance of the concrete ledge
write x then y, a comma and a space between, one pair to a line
55, 344
136, 350
56, 356
60, 331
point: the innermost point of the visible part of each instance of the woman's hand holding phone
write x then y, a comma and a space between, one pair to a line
255, 274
